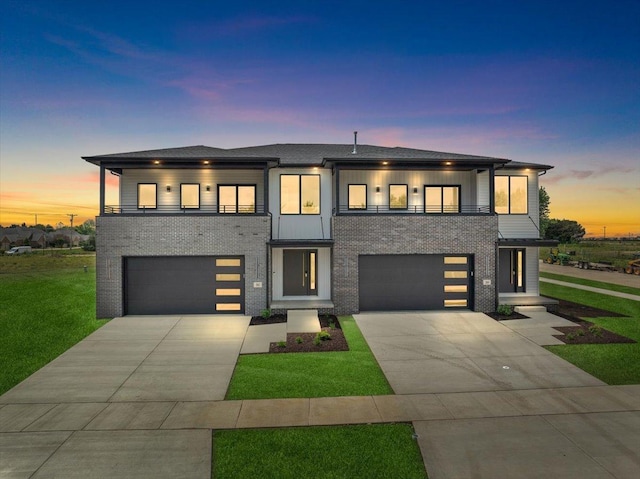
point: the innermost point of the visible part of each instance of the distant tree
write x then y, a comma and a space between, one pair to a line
87, 228
564, 231
545, 201
59, 225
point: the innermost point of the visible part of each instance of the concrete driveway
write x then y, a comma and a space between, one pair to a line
448, 352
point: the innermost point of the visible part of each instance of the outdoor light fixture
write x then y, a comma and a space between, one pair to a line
377, 189
415, 190
206, 162
208, 188
168, 188
385, 162
156, 162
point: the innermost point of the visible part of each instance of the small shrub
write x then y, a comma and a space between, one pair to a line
595, 330
332, 324
580, 332
265, 313
505, 309
317, 341
282, 344
571, 336
299, 340
323, 335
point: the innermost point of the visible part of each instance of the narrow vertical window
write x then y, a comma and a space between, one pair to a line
147, 195
357, 197
398, 197
189, 196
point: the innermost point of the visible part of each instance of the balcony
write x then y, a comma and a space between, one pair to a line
416, 209
222, 210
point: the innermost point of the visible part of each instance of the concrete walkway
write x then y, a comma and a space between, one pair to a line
608, 292
128, 402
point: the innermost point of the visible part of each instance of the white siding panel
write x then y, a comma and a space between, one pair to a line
526, 225
301, 226
532, 271
174, 177
413, 179
482, 188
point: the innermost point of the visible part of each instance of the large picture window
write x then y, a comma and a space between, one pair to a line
237, 199
300, 194
147, 195
398, 197
441, 199
190, 196
357, 197
511, 195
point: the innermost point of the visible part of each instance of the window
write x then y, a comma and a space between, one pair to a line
237, 199
300, 194
398, 197
442, 199
511, 195
147, 195
189, 196
357, 197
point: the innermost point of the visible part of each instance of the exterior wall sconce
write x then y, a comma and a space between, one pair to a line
415, 190
377, 189
208, 188
168, 188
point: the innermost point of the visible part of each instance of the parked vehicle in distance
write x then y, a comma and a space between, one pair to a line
19, 250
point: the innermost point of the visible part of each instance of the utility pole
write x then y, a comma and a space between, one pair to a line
36, 219
604, 235
71, 215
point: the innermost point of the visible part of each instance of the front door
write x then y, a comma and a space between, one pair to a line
300, 272
512, 271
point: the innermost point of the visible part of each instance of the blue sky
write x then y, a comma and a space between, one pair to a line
548, 82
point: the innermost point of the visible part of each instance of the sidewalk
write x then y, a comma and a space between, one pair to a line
617, 294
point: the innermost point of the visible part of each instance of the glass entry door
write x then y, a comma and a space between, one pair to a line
300, 272
511, 270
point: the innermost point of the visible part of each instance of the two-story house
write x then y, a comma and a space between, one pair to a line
341, 228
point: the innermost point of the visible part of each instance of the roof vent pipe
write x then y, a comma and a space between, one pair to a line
355, 143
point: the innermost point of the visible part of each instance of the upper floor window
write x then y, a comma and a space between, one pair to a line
147, 195
300, 194
236, 198
442, 199
398, 197
189, 195
511, 195
357, 197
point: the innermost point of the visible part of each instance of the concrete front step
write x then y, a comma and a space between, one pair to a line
258, 338
530, 309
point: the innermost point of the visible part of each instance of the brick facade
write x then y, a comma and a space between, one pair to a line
121, 236
417, 234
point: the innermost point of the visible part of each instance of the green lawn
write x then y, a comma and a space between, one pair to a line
362, 451
611, 363
346, 373
593, 284
45, 311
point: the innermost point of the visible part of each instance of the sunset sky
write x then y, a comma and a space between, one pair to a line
552, 82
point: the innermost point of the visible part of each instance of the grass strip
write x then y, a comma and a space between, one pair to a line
593, 284
43, 315
345, 373
361, 451
611, 363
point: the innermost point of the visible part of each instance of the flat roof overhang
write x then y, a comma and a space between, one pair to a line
527, 242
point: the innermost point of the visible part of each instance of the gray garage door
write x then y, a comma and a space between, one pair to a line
184, 285
414, 282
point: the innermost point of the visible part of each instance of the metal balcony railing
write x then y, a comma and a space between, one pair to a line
417, 209
239, 210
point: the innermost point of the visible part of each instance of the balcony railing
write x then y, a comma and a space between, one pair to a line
417, 209
239, 210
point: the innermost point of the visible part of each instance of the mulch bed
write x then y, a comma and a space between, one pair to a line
584, 332
337, 342
273, 319
503, 317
